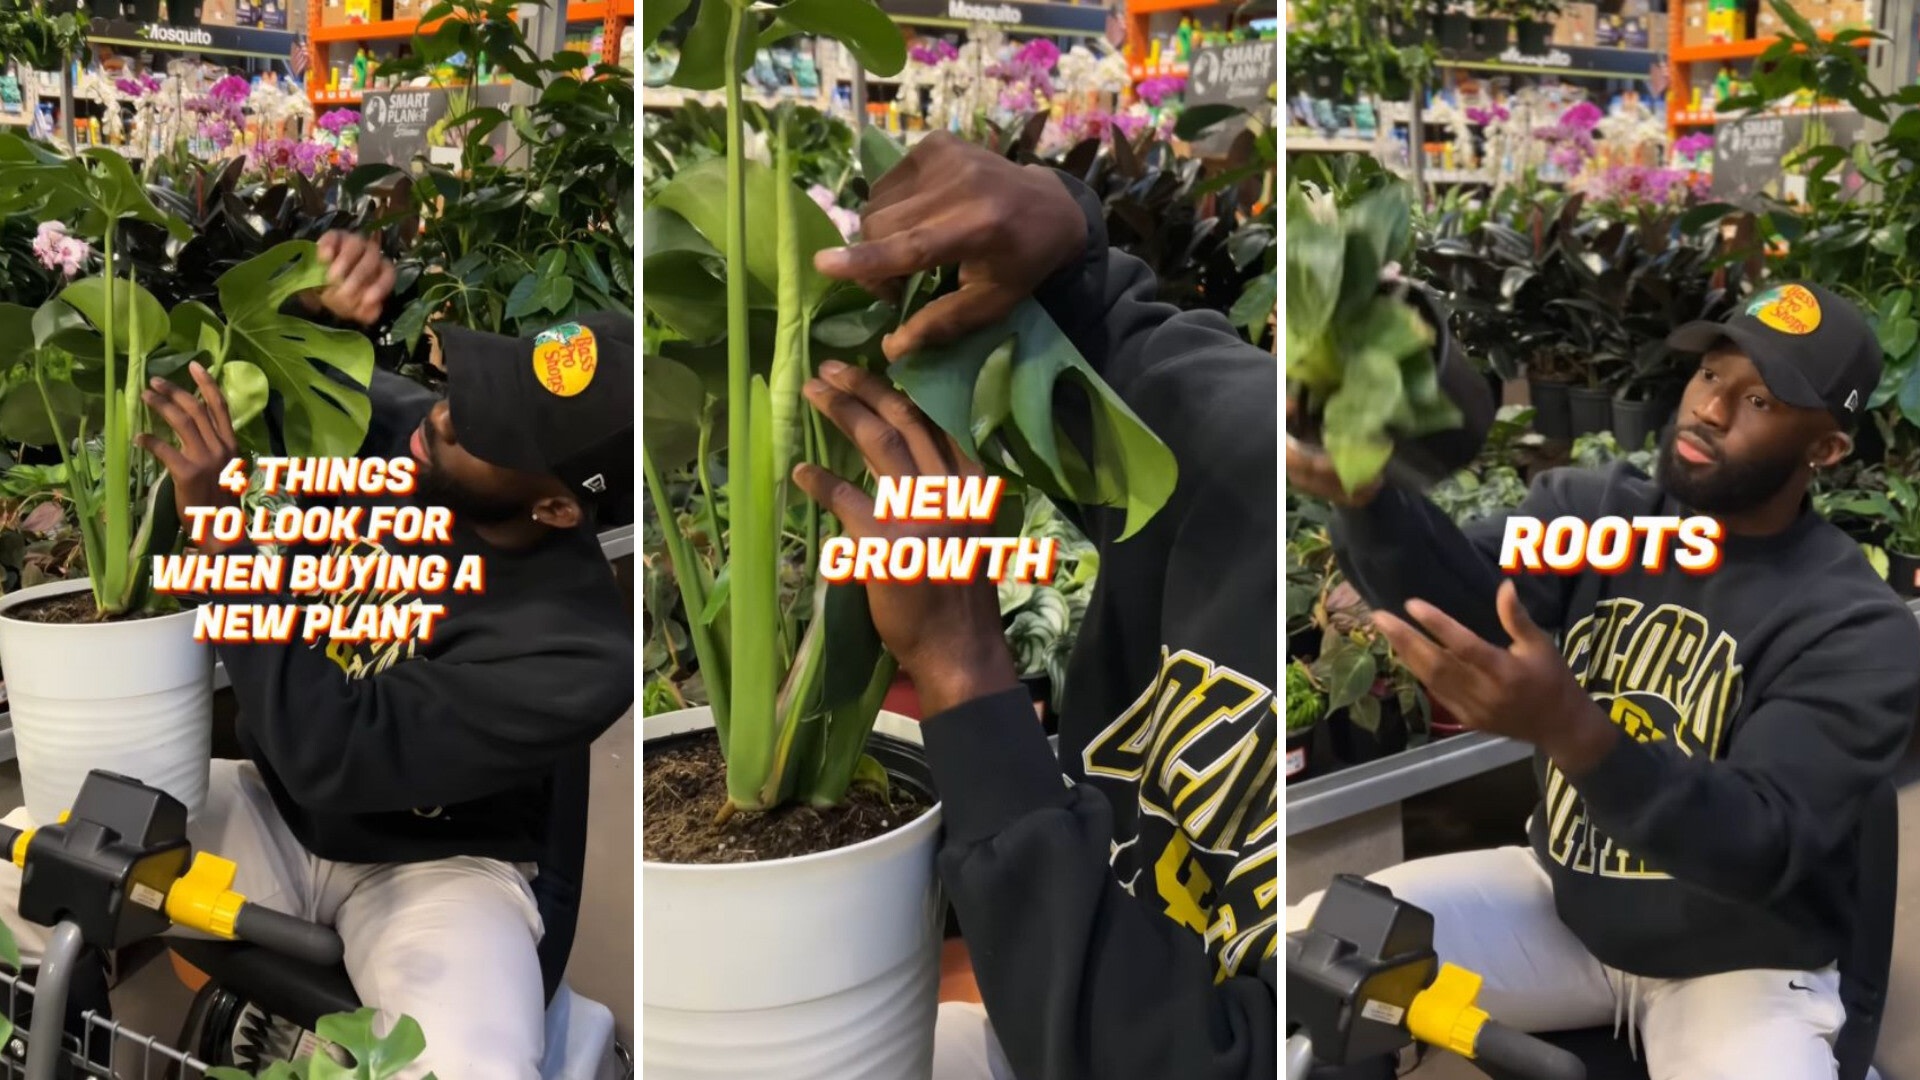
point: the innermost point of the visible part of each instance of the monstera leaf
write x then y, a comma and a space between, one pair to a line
995, 392
699, 197
324, 417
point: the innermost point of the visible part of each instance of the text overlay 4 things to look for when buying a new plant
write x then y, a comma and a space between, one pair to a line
1571, 545
359, 564
960, 500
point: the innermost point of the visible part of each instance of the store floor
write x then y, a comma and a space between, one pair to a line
151, 1000
1490, 823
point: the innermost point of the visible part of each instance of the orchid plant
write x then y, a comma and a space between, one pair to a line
91, 349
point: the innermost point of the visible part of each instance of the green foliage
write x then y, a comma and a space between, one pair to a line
1361, 356
89, 352
1305, 704
515, 244
369, 1056
793, 668
1043, 621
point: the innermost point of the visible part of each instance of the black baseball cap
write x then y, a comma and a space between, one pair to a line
559, 403
1813, 347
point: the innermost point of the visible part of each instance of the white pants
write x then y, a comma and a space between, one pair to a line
964, 1046
1493, 914
449, 943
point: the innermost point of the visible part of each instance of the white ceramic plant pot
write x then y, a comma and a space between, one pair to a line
820, 967
133, 697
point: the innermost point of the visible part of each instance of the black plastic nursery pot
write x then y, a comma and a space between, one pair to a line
1491, 35
1903, 573
1591, 410
1534, 38
1299, 751
1352, 744
1454, 30
1633, 421
1326, 81
1552, 415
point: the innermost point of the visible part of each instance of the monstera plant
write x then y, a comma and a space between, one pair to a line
729, 246
93, 347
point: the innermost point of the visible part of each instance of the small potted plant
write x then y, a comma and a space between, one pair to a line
1454, 28
1491, 31
1305, 706
1371, 361
1895, 511
1533, 24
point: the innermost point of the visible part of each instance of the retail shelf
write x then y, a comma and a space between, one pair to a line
1705, 118
596, 10
1310, 144
1356, 790
1737, 50
1155, 7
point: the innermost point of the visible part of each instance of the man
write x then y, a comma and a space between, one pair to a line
402, 792
1122, 924
1704, 742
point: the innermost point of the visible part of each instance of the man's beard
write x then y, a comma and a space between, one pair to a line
471, 507
1721, 487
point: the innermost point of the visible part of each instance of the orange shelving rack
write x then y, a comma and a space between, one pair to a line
1683, 57
615, 15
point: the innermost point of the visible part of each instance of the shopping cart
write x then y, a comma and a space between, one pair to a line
1363, 982
115, 870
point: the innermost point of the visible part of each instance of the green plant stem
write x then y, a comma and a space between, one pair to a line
110, 577
753, 581
693, 598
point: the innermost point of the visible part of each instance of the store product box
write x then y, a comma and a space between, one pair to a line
1659, 33
332, 12
1849, 15
409, 9
1634, 33
1693, 15
1577, 25
217, 13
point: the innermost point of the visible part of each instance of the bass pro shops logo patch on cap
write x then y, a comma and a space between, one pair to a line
1790, 309
564, 358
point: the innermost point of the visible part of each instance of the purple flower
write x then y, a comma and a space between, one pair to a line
940, 51
309, 158
1039, 53
1157, 90
231, 90
339, 120
1582, 117
1690, 147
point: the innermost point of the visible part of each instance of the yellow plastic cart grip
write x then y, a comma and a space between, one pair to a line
1444, 1014
203, 898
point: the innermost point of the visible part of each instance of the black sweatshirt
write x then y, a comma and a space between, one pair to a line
430, 750
1123, 922
1763, 702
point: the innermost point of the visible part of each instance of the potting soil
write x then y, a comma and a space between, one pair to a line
684, 786
73, 608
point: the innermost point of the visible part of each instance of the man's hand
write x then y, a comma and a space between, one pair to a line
207, 445
1008, 227
1310, 470
1524, 692
359, 279
947, 637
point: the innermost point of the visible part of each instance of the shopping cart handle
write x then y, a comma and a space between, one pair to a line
1518, 1054
288, 935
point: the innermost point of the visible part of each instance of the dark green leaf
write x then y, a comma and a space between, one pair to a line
876, 43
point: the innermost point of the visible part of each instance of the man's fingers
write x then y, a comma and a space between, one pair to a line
922, 435
347, 254
1513, 616
194, 438
329, 245
951, 317
367, 268
962, 464
852, 506
222, 420
170, 459
880, 443
922, 247
1471, 649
